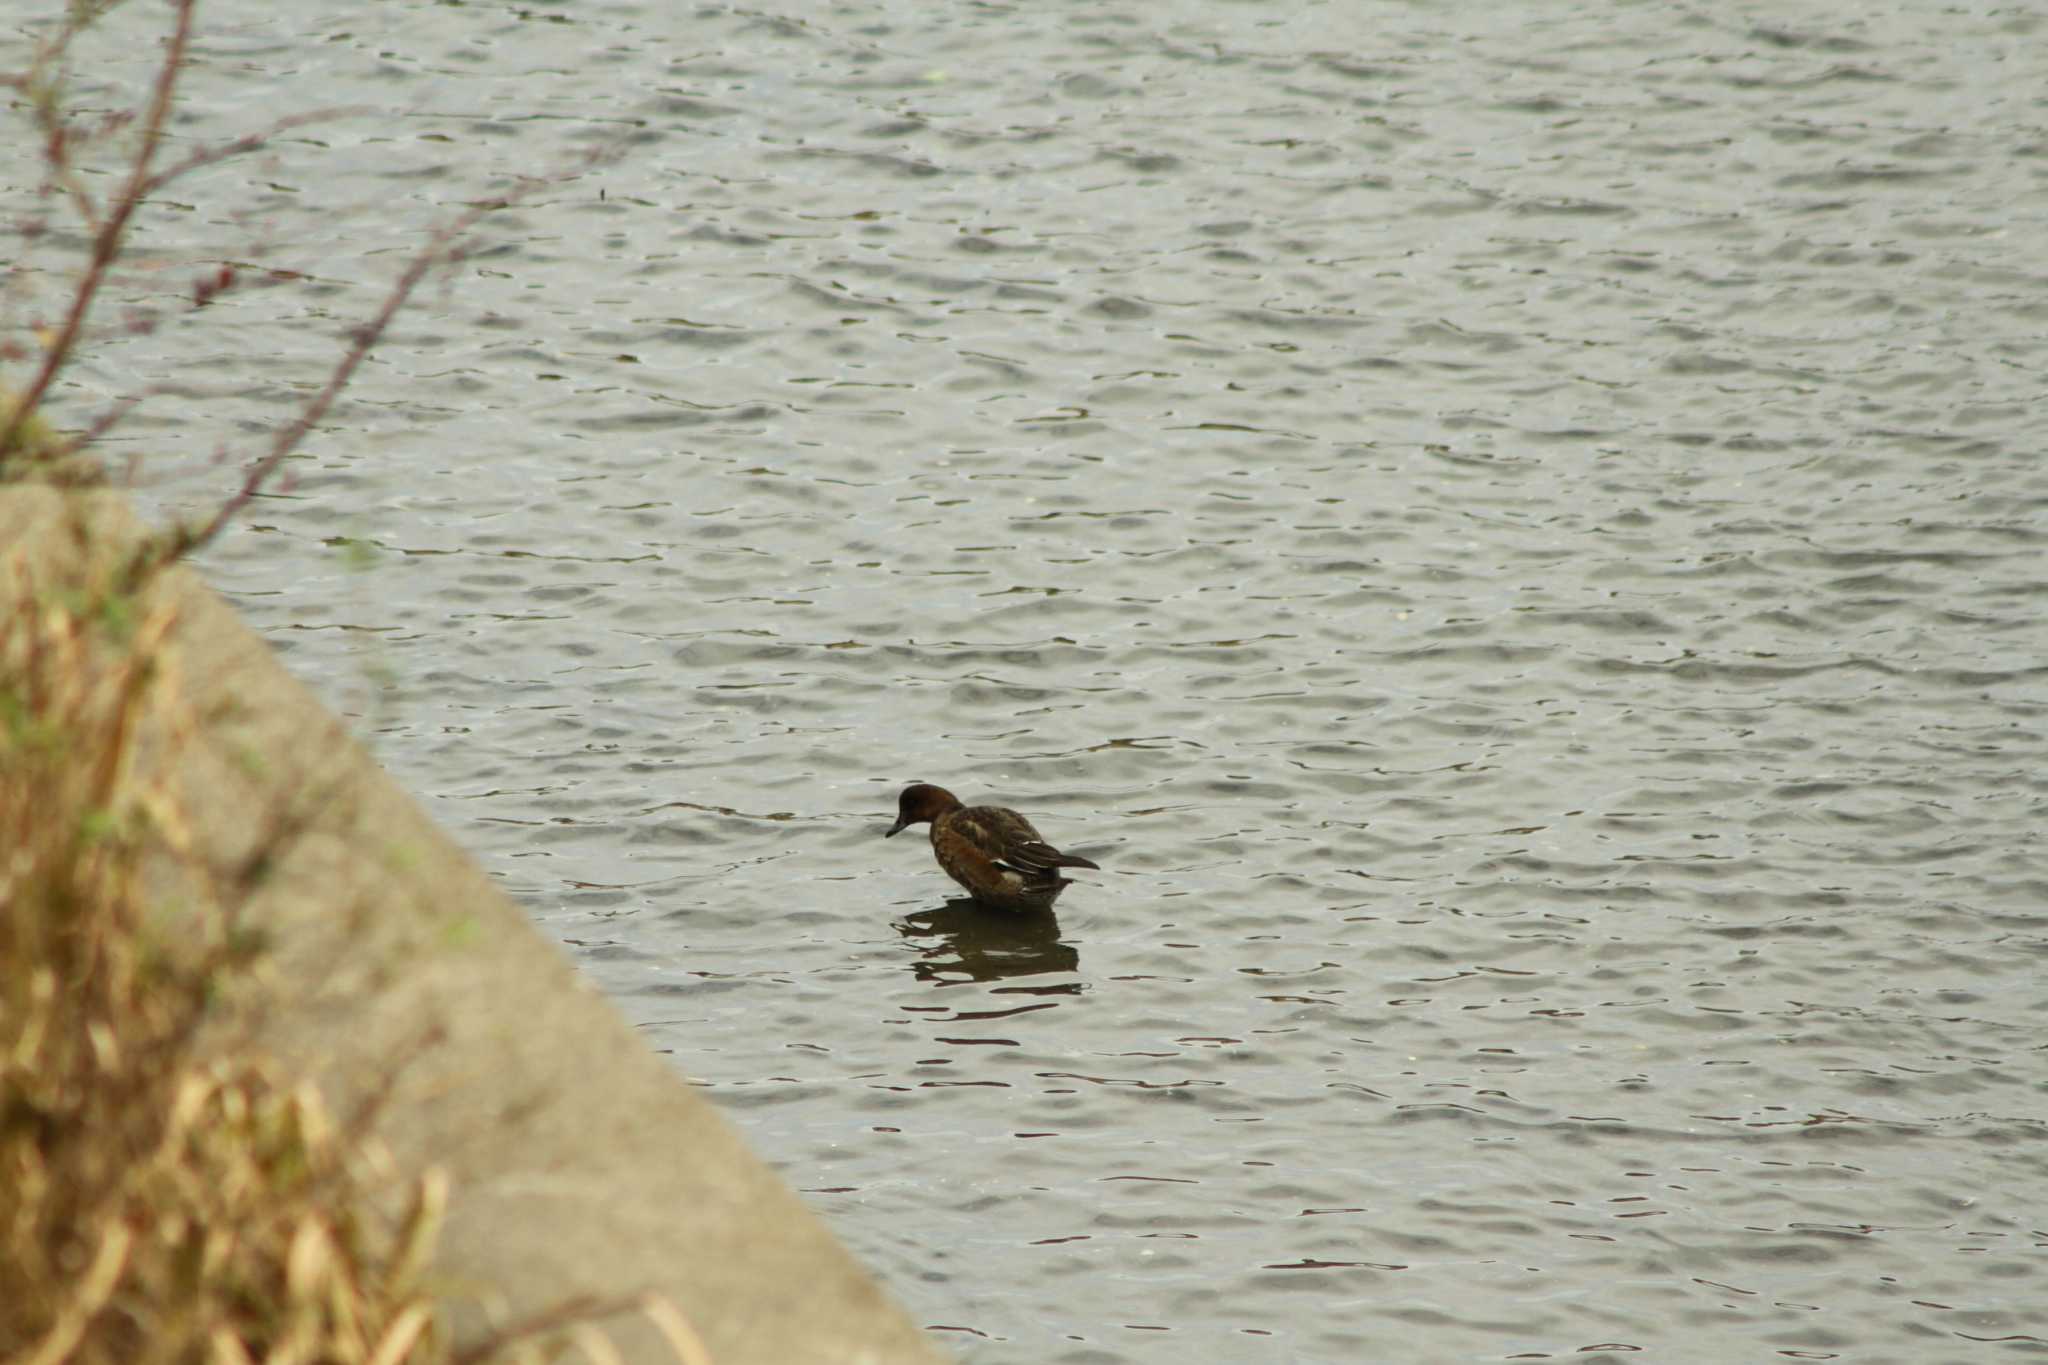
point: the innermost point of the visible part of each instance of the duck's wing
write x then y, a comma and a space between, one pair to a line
960, 848
1008, 838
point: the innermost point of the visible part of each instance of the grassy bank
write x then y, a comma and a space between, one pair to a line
168, 1191
165, 1193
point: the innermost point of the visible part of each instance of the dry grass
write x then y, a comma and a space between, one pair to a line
167, 1193
159, 1202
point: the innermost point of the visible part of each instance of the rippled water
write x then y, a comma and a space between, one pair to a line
1513, 534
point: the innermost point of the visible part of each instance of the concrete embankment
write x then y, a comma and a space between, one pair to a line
579, 1162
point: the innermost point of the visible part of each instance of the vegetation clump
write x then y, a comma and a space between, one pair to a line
168, 1193
160, 1200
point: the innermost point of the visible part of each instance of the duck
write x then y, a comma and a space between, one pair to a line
991, 850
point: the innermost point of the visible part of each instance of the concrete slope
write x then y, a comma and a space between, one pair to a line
579, 1161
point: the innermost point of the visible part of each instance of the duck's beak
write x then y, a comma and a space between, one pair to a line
895, 829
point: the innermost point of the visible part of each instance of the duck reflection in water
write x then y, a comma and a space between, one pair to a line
961, 941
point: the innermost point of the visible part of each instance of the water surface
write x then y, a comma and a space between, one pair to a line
1514, 537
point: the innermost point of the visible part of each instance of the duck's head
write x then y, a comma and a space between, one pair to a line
921, 801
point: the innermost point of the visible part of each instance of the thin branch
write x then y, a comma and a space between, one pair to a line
441, 246
142, 186
57, 145
42, 86
250, 142
582, 1309
108, 419
106, 243
444, 245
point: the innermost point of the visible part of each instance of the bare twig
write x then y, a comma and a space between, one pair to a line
141, 184
112, 417
242, 146
106, 241
443, 245
145, 179
563, 1316
42, 85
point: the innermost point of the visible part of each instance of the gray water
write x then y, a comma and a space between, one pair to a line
1512, 533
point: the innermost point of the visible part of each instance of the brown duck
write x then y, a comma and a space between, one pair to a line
991, 850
